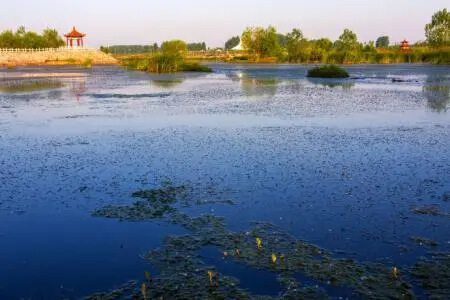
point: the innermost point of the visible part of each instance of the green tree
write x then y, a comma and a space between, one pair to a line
196, 46
297, 47
52, 39
348, 41
260, 41
7, 39
174, 47
438, 31
320, 50
232, 42
29, 39
382, 42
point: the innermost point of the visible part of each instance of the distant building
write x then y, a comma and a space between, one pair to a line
74, 38
239, 47
404, 45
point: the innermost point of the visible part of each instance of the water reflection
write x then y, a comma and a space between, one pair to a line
437, 92
346, 86
251, 86
26, 86
167, 83
78, 88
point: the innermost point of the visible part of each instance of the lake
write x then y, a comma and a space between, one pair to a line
351, 176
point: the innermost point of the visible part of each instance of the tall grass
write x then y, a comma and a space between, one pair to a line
163, 63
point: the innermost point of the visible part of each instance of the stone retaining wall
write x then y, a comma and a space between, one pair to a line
9, 57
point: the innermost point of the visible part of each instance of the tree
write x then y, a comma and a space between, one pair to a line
29, 39
324, 44
320, 49
347, 41
382, 42
260, 41
174, 47
438, 31
232, 42
52, 39
196, 46
297, 46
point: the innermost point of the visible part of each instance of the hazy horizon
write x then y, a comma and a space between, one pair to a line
146, 22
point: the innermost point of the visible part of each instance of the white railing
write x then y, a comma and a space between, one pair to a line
62, 49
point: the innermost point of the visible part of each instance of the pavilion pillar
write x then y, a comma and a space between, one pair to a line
82, 44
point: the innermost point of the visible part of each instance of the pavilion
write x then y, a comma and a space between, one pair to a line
74, 38
404, 45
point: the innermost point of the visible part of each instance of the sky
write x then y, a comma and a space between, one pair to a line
112, 22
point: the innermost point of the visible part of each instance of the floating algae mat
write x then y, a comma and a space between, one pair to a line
183, 274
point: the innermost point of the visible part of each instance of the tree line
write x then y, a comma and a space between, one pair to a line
139, 49
295, 47
22, 38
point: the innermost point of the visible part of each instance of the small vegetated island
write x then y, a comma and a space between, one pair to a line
329, 71
169, 58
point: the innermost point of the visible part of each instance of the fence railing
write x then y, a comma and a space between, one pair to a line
62, 49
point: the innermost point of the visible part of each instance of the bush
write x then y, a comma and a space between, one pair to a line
164, 63
329, 71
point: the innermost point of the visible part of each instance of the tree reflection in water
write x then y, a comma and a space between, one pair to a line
437, 92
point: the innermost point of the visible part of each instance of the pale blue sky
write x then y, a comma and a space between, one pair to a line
145, 21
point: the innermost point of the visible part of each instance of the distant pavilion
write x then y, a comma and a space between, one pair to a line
404, 45
74, 37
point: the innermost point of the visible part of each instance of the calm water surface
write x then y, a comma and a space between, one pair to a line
338, 163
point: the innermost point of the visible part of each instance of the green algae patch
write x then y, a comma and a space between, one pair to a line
183, 273
157, 203
433, 210
122, 291
423, 241
433, 274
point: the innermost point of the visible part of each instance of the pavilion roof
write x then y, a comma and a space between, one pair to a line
75, 34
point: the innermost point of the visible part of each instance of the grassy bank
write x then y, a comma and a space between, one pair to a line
375, 56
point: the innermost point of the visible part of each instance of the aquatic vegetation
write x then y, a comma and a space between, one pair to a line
394, 272
157, 203
210, 277
329, 71
274, 258
87, 63
423, 241
123, 290
182, 271
433, 274
144, 291
148, 275
433, 210
258, 243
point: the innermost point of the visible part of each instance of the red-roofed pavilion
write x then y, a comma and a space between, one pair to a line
404, 45
74, 37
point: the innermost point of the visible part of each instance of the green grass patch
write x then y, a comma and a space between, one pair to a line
329, 71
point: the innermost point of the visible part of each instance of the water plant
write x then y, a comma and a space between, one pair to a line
258, 243
182, 270
328, 71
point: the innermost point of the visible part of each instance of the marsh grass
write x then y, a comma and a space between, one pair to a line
163, 63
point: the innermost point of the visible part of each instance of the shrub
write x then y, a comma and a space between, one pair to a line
329, 71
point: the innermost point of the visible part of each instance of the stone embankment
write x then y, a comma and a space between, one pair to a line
60, 56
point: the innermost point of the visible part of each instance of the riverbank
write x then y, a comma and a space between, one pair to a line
63, 56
